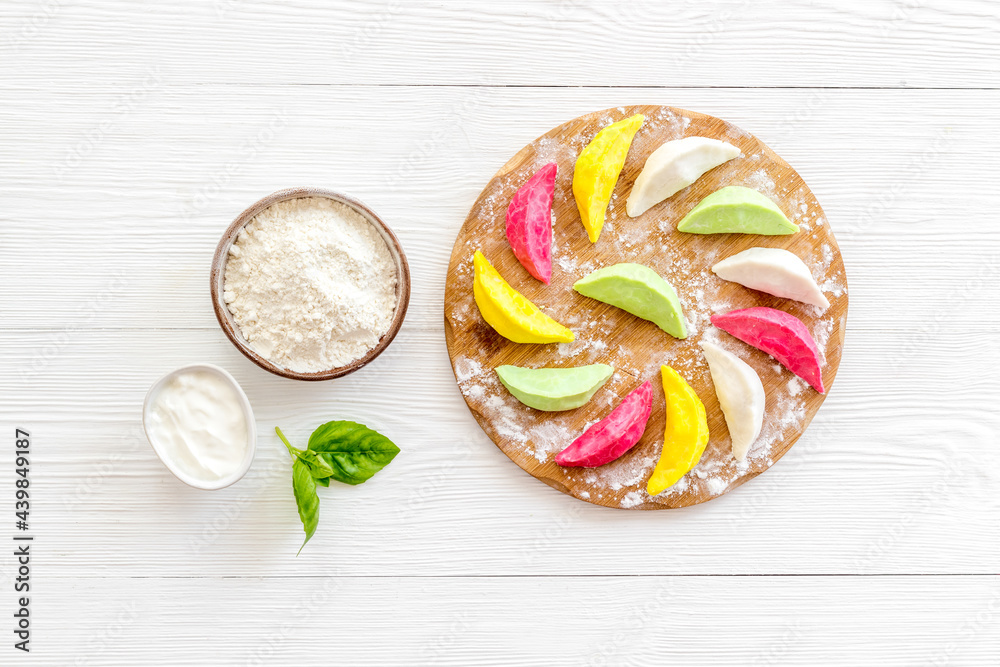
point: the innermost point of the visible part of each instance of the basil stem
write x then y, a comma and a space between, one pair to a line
291, 450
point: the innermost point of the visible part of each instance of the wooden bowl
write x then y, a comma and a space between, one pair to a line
231, 329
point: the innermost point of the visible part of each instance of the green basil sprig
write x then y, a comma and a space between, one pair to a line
344, 451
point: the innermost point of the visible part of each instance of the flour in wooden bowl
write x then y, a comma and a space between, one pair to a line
311, 284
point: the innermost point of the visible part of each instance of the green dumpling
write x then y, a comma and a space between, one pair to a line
639, 290
735, 209
554, 389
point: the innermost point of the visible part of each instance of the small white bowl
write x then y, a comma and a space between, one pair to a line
247, 412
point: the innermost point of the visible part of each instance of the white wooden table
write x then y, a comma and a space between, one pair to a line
131, 135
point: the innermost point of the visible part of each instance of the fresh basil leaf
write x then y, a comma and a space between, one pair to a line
323, 481
318, 467
306, 498
354, 451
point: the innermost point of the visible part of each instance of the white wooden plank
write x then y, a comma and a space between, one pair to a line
326, 619
117, 230
130, 136
896, 475
945, 43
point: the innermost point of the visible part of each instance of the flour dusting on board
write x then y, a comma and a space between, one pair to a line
636, 349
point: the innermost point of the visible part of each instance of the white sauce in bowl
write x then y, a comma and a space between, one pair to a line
197, 421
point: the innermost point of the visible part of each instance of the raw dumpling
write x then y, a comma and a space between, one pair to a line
554, 389
685, 434
614, 435
674, 166
639, 290
735, 209
780, 334
509, 312
741, 396
774, 271
597, 169
529, 222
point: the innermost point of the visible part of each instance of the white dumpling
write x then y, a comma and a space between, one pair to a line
674, 166
774, 271
741, 396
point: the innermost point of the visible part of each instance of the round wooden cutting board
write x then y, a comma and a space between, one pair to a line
634, 347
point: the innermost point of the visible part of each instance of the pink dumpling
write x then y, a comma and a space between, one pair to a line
614, 435
781, 335
529, 222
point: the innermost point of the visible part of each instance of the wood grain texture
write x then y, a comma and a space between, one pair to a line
132, 134
327, 619
939, 43
139, 216
634, 348
893, 476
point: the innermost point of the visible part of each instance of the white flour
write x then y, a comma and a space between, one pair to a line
311, 284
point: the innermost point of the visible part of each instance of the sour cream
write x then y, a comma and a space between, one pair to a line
199, 422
